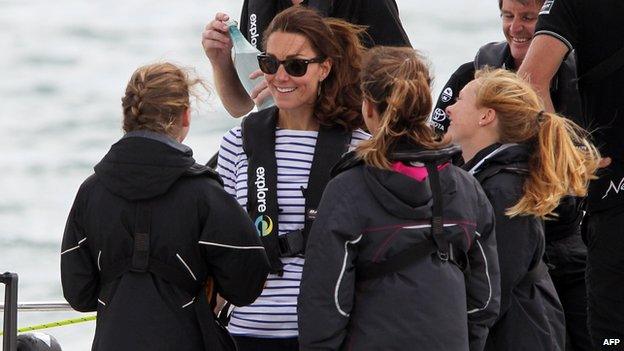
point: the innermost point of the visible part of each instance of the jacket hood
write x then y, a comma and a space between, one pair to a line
404, 196
143, 165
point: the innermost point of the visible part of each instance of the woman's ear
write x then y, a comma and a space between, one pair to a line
488, 117
371, 116
186, 118
367, 109
326, 67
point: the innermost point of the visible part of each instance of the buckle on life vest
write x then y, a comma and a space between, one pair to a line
311, 214
291, 243
140, 255
443, 256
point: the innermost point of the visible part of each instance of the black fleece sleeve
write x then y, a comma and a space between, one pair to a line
327, 291
234, 254
517, 240
483, 283
79, 274
384, 25
559, 19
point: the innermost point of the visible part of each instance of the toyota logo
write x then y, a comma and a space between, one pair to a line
438, 115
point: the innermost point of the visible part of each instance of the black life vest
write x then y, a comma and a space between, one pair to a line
214, 334
439, 242
563, 89
258, 132
141, 260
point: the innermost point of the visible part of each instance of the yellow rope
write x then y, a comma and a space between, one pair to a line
56, 324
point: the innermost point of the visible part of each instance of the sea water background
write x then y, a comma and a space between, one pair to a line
64, 65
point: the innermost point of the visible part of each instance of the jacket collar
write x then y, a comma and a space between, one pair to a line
165, 139
501, 154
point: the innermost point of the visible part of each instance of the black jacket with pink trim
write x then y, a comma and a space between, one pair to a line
368, 215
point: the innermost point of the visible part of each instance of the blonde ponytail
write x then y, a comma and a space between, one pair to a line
563, 160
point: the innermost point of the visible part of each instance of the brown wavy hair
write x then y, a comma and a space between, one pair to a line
398, 82
523, 2
156, 96
563, 160
340, 99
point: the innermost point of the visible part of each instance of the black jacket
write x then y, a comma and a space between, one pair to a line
531, 316
196, 231
369, 215
381, 18
563, 89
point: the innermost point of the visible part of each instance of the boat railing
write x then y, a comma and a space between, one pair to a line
9, 338
43, 306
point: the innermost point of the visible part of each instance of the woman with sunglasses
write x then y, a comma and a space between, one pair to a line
403, 253
277, 163
527, 160
380, 18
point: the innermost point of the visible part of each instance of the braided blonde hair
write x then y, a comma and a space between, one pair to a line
156, 96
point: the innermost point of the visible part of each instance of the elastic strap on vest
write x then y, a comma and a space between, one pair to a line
140, 255
437, 230
258, 133
142, 262
331, 144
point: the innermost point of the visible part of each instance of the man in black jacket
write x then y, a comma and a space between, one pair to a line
594, 30
565, 251
519, 18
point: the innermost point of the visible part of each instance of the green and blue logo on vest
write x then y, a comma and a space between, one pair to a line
264, 225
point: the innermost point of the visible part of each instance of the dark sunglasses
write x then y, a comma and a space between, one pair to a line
295, 67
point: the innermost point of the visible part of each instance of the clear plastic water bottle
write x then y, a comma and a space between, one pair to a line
246, 62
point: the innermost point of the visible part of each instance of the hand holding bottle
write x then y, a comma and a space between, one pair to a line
216, 40
260, 93
236, 79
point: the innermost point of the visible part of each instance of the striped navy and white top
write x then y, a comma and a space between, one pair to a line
274, 313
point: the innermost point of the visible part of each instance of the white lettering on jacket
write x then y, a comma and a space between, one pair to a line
616, 188
261, 189
253, 30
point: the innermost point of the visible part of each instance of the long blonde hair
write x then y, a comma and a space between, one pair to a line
397, 81
562, 162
